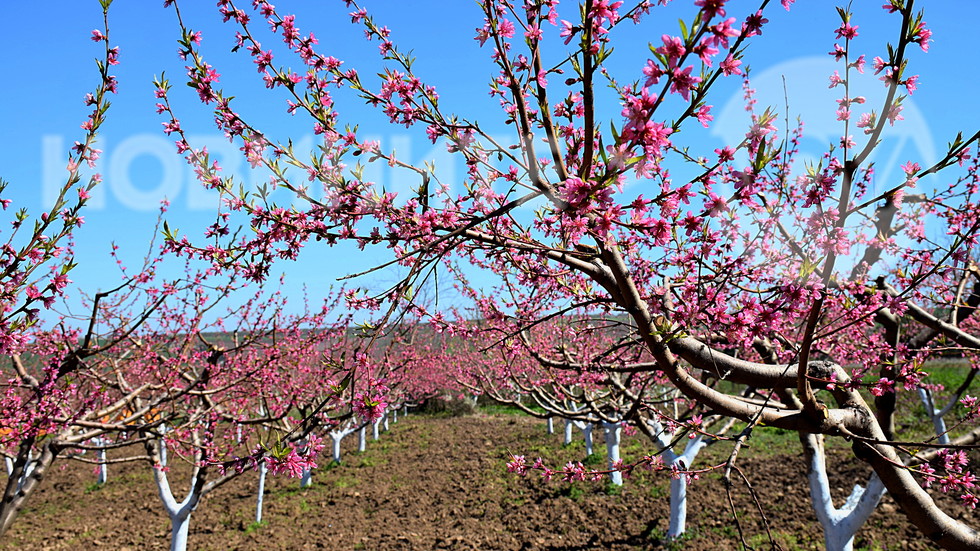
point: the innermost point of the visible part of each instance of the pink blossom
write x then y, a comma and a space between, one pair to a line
921, 36
725, 154
723, 31
517, 464
704, 115
683, 82
730, 66
567, 31
711, 8
672, 49
753, 24
847, 31
506, 28
911, 84
838, 52
883, 386
835, 79
653, 73
859, 64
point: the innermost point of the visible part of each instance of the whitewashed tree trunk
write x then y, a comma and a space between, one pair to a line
163, 445
28, 469
263, 470
340, 432
103, 475
612, 432
374, 429
336, 438
362, 439
180, 527
568, 432
678, 507
677, 523
839, 525
179, 512
306, 479
936, 415
551, 425
25, 473
586, 429
678, 486
384, 422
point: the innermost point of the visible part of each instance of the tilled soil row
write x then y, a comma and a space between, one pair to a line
441, 483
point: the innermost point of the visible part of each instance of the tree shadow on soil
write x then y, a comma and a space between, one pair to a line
648, 538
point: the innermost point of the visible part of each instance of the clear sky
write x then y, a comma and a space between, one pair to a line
50, 68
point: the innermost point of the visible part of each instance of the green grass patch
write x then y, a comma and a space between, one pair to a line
593, 459
371, 461
346, 482
293, 490
502, 409
572, 491
659, 491
611, 489
255, 527
785, 541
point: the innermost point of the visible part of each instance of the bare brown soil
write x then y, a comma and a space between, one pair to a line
441, 483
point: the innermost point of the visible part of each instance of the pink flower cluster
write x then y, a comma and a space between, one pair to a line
371, 403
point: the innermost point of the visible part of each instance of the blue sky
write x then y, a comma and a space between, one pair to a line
50, 68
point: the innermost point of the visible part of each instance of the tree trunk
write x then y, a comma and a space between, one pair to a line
587, 432
263, 469
103, 466
22, 480
936, 415
612, 433
337, 438
839, 525
678, 507
179, 528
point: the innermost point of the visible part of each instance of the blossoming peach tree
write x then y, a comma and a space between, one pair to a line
229, 389
736, 264
35, 259
590, 371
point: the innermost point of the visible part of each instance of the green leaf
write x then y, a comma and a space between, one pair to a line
345, 382
807, 267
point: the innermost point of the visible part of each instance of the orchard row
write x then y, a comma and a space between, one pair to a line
746, 286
